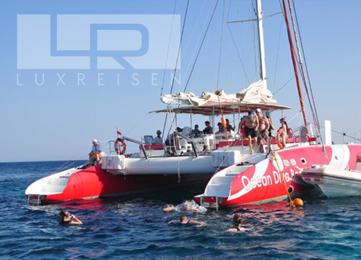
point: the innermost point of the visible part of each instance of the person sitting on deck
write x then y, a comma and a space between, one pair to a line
65, 217
250, 124
196, 133
228, 126
220, 129
158, 139
208, 129
95, 153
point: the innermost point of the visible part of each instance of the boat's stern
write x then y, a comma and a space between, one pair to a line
38, 191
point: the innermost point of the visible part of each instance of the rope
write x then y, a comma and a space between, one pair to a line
283, 179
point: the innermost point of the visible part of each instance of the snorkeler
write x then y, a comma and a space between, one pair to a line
185, 206
65, 217
184, 220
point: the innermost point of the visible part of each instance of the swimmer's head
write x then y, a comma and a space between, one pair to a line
237, 219
183, 219
168, 208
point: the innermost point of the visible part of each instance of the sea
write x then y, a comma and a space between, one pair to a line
135, 227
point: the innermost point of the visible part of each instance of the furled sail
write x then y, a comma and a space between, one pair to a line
256, 93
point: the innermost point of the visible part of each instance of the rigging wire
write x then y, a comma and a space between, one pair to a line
169, 40
201, 45
179, 47
306, 67
277, 53
284, 85
176, 63
239, 55
300, 65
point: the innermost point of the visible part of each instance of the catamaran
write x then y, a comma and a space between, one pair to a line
226, 171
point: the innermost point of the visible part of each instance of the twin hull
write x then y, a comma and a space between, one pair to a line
265, 181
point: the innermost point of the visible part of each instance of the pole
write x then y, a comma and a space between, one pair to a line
262, 55
294, 62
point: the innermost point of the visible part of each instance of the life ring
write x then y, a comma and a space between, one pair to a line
120, 146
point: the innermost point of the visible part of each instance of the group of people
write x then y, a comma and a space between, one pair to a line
257, 127
240, 223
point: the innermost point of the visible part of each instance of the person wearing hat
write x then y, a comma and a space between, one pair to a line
158, 139
94, 155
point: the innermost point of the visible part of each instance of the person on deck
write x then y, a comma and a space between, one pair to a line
220, 129
208, 129
251, 125
196, 132
95, 153
228, 126
158, 139
263, 127
282, 134
271, 126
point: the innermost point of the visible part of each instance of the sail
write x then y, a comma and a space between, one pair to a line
256, 93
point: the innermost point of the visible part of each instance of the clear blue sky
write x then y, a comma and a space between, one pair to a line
58, 122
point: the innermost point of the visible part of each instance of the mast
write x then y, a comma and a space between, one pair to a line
262, 55
294, 62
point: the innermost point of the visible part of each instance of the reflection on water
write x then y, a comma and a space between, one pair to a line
136, 227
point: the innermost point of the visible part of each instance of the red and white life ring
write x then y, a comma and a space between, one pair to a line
120, 146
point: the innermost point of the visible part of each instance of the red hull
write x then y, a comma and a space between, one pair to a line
94, 183
264, 181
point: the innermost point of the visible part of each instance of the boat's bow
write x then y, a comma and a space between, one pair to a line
334, 182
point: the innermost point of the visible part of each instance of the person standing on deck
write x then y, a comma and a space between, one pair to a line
251, 125
264, 126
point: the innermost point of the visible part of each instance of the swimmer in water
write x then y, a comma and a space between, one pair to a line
189, 206
238, 223
65, 217
184, 220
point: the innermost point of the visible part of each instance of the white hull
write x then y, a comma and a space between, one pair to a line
334, 183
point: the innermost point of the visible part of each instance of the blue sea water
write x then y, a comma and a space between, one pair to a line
136, 228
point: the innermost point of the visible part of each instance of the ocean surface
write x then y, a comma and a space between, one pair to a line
136, 227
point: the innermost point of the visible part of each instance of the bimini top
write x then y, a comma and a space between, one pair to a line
257, 95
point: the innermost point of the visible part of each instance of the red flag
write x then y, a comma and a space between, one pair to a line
118, 132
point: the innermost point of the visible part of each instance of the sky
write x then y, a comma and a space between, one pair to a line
58, 120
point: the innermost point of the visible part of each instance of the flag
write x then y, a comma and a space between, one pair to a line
119, 133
